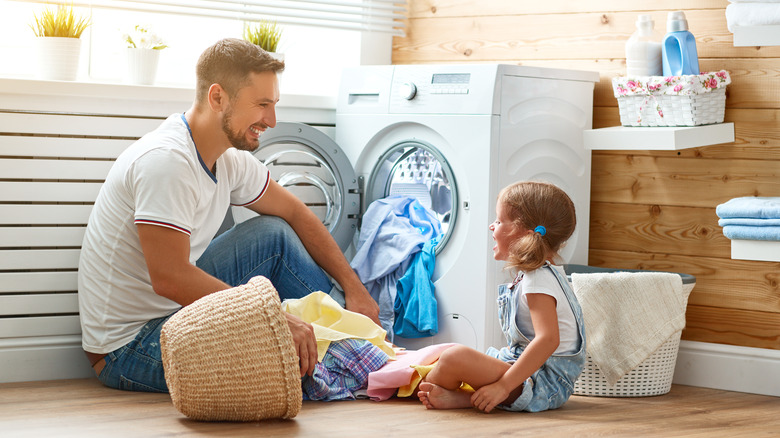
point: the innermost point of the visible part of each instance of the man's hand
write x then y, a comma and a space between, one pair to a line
305, 343
361, 302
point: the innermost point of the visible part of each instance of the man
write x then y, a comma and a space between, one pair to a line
148, 248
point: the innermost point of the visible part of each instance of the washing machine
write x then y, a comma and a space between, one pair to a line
452, 136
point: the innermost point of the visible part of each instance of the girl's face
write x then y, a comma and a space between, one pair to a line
504, 232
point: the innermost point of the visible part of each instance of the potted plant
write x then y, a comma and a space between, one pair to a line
265, 34
143, 55
58, 42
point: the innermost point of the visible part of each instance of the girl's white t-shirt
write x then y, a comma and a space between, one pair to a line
542, 281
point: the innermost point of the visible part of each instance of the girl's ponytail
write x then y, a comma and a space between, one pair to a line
545, 210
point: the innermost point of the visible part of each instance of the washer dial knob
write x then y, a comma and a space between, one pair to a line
408, 90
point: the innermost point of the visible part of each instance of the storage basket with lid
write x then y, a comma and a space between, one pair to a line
653, 376
688, 100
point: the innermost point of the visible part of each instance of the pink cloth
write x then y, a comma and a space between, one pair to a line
384, 382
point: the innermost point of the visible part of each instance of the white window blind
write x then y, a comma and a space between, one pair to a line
385, 16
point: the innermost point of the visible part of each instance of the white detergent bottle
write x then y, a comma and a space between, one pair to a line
643, 49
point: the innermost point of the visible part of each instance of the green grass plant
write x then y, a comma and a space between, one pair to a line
59, 23
265, 34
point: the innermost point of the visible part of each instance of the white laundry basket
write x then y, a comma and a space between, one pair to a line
653, 376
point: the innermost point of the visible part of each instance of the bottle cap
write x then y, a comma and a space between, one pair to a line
644, 20
676, 22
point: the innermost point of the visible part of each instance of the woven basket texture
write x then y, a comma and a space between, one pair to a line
651, 377
685, 110
230, 356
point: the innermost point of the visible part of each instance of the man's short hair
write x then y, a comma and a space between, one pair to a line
228, 63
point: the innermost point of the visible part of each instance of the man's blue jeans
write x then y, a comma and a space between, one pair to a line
264, 245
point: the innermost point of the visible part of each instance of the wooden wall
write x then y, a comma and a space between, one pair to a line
649, 210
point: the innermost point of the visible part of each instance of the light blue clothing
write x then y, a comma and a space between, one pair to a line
415, 302
552, 384
752, 233
263, 245
392, 231
756, 207
750, 222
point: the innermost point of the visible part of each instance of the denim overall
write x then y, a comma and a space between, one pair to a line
551, 385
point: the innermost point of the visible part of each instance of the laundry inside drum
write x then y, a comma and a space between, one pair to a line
419, 171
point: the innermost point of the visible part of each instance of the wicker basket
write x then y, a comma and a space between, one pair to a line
690, 110
651, 377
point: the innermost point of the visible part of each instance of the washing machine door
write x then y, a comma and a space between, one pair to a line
417, 169
309, 164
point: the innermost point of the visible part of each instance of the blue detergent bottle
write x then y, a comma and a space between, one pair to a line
679, 55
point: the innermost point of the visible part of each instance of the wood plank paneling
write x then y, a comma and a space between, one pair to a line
670, 181
594, 35
722, 283
460, 8
649, 209
636, 227
753, 86
732, 326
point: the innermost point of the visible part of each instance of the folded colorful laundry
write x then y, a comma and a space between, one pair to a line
756, 207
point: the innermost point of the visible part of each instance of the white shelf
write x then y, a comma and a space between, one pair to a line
763, 250
756, 35
660, 138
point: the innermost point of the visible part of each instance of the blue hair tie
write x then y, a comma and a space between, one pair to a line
541, 230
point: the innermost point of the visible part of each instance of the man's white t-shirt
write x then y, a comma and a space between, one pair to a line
159, 180
542, 281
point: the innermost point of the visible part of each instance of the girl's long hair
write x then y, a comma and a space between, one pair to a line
528, 205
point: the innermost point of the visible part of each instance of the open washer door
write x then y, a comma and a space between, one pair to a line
416, 169
308, 163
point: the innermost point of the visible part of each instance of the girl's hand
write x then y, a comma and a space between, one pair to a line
489, 396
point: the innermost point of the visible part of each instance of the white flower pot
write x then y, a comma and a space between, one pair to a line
142, 66
58, 58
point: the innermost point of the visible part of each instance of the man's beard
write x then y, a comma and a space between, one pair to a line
238, 141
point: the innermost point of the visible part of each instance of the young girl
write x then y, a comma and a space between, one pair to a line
538, 312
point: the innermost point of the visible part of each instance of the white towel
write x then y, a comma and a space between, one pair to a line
752, 14
628, 315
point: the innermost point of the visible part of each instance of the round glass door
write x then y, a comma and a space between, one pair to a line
308, 163
416, 169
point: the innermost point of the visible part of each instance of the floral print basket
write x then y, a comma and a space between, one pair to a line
687, 100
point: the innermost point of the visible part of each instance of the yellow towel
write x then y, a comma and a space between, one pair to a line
331, 322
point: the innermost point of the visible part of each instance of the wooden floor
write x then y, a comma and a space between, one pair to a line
84, 408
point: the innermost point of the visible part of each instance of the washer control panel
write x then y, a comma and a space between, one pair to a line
442, 89
450, 83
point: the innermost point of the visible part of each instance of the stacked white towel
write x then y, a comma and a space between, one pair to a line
752, 13
628, 316
750, 218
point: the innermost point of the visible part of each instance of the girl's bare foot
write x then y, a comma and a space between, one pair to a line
435, 397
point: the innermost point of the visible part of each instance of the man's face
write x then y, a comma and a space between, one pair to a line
251, 111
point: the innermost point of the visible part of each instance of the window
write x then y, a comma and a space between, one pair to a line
314, 53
